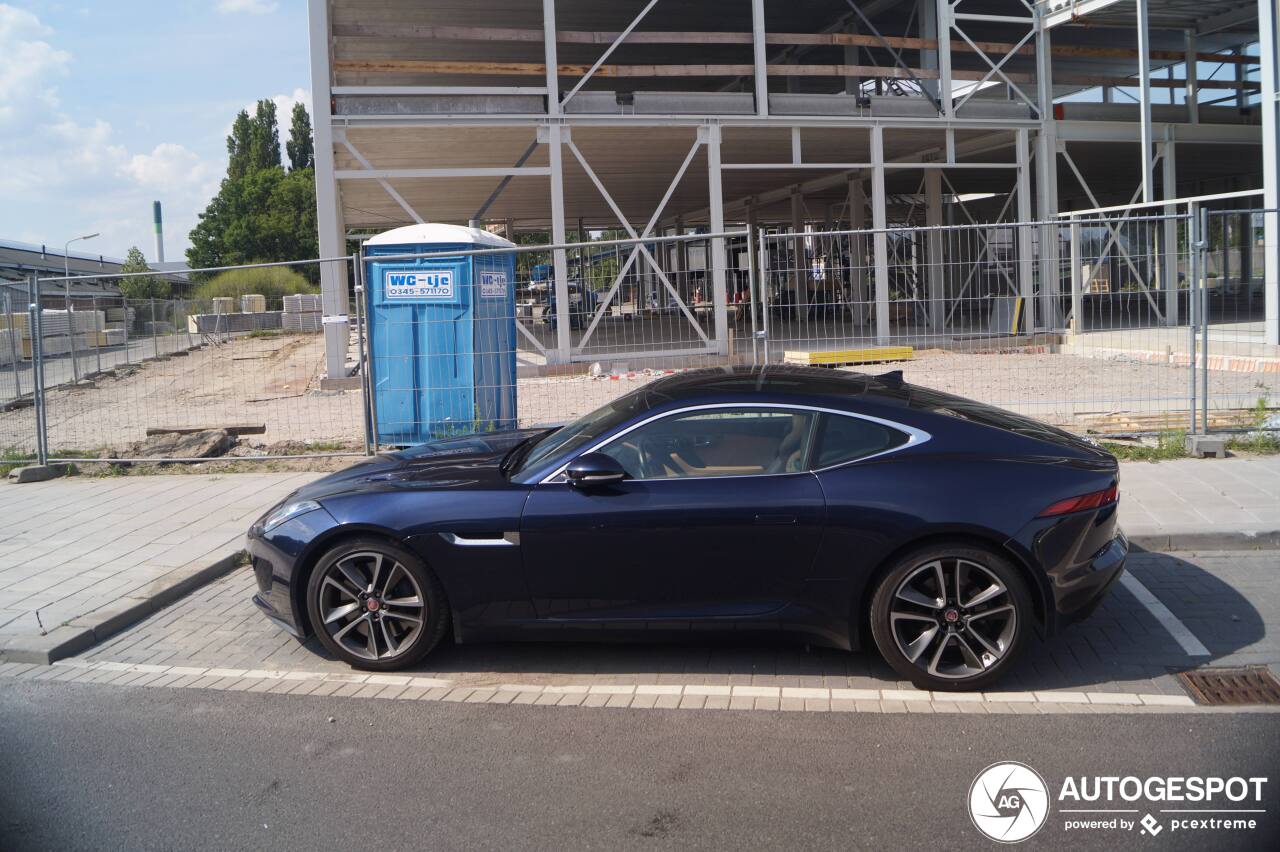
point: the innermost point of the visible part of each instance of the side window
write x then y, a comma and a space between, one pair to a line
842, 439
728, 442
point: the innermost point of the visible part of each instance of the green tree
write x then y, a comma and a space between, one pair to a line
142, 286
261, 212
301, 149
264, 141
238, 145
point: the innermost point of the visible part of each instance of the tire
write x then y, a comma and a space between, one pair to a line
964, 641
378, 627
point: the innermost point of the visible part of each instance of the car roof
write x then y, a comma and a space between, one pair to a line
773, 380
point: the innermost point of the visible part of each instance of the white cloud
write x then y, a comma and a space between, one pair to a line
66, 173
30, 65
169, 165
253, 7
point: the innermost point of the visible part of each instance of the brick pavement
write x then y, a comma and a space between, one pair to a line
81, 557
1120, 652
84, 557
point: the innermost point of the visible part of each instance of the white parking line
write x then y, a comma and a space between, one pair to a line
1179, 631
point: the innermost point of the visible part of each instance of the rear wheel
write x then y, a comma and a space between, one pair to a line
374, 605
951, 617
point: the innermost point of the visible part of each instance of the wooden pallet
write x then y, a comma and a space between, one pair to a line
838, 357
1133, 423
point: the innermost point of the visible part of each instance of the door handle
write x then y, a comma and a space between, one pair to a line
775, 520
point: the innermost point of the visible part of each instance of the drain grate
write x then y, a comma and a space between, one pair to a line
1252, 685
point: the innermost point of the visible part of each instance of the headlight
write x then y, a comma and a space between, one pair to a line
287, 511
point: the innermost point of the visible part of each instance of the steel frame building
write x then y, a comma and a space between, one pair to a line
664, 116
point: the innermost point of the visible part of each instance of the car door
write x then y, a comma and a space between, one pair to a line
719, 517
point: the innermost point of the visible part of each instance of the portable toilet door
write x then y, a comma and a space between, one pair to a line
441, 333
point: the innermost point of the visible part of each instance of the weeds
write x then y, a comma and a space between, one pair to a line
1169, 445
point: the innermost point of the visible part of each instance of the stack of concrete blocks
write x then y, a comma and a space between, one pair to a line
302, 313
252, 303
57, 327
10, 348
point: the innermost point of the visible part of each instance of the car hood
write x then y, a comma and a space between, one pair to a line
468, 462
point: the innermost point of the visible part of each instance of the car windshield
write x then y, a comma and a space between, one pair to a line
587, 428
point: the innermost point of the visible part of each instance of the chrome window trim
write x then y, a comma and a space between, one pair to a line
915, 437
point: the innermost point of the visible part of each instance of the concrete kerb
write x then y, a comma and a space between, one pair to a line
83, 632
40, 472
1204, 541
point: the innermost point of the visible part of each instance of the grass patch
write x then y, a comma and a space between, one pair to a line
1169, 445
1261, 443
12, 459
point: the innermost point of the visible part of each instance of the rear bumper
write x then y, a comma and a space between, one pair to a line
1091, 585
1081, 555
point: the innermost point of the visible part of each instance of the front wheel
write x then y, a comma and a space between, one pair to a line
951, 618
374, 605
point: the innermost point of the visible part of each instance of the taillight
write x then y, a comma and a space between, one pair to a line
1096, 500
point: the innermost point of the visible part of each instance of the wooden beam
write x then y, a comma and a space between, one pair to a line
492, 34
536, 69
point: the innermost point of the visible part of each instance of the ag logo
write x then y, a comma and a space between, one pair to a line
1008, 802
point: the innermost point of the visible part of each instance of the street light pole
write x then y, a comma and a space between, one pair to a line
66, 300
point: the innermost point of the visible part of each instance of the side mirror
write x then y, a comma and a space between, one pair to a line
594, 469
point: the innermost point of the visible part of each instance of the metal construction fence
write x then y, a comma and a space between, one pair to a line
1089, 324
1120, 323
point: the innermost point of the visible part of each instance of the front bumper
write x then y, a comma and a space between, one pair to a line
277, 558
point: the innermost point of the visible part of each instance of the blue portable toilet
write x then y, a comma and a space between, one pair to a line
442, 333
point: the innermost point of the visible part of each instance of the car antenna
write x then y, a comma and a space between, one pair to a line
893, 377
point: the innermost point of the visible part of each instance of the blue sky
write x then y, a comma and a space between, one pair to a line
106, 106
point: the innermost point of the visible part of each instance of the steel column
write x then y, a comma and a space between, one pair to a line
1169, 256
1077, 280
719, 293
35, 316
760, 59
1047, 177
1026, 272
799, 268
334, 295
560, 261
879, 221
1269, 59
936, 269
1144, 99
549, 56
943, 13
1193, 83
858, 249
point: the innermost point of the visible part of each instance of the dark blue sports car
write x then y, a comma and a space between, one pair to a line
824, 504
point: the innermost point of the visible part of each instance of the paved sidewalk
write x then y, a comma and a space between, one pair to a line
1202, 503
81, 558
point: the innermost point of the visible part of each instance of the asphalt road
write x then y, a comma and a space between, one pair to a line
99, 767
